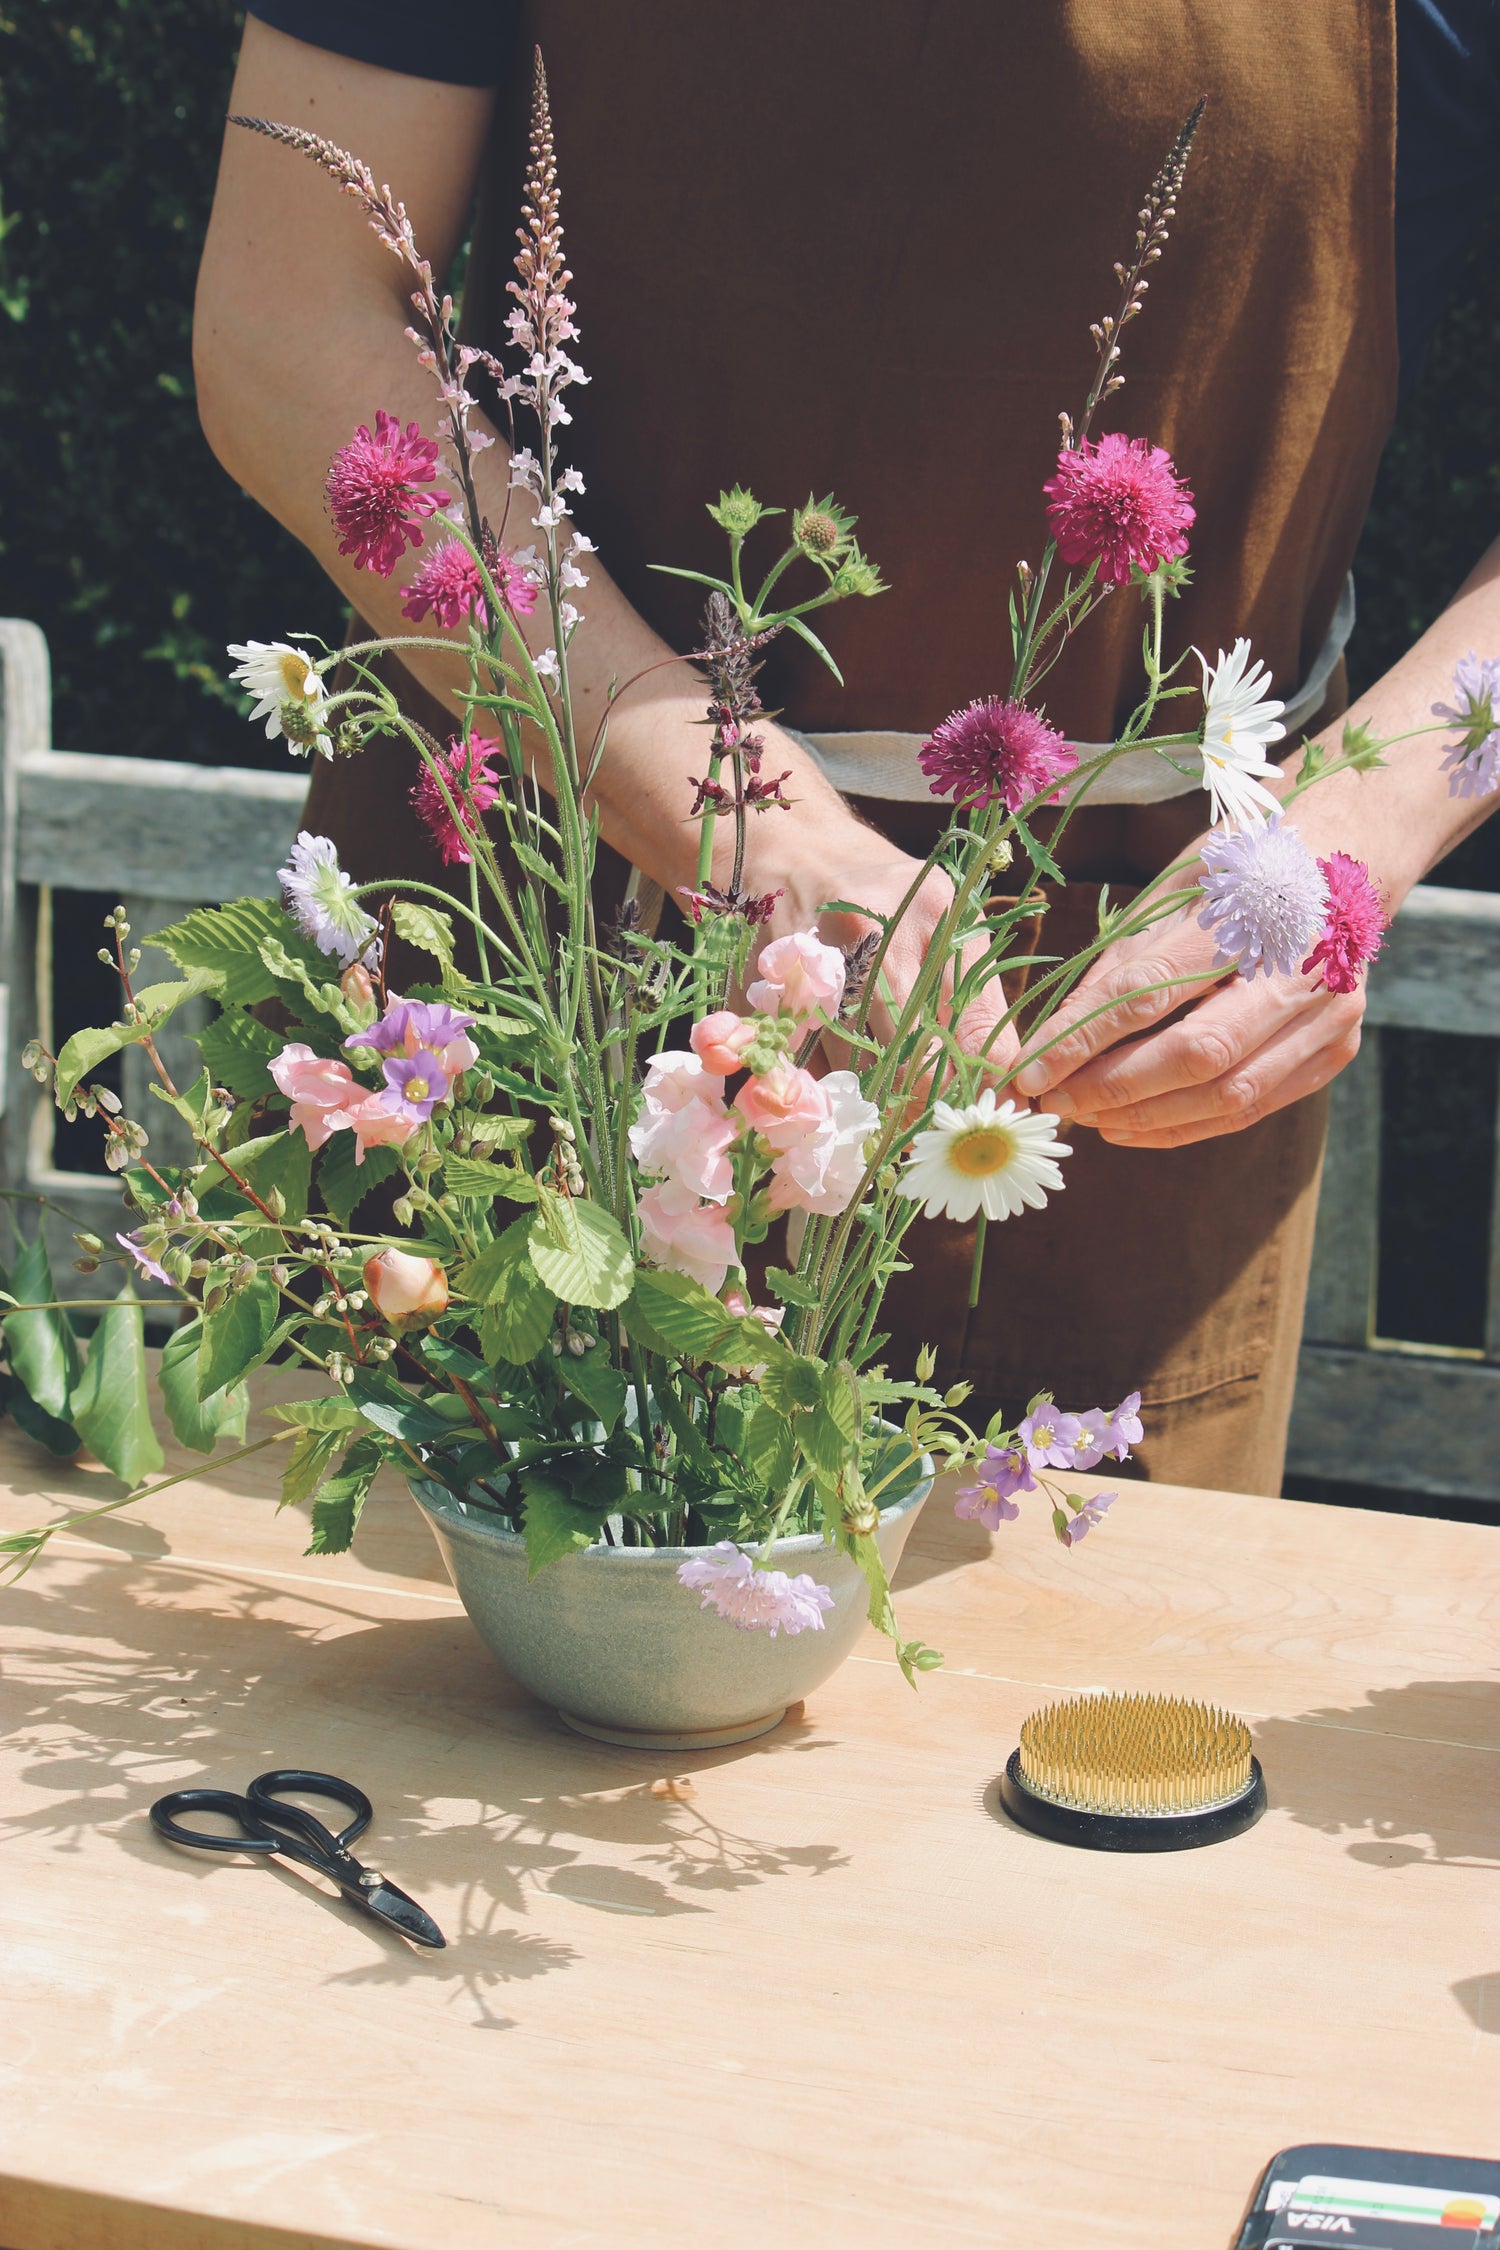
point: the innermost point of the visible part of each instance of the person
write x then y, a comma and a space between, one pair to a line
859, 246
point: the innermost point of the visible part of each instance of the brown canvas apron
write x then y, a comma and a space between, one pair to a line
858, 246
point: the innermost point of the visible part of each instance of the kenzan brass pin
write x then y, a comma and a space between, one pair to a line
1134, 1773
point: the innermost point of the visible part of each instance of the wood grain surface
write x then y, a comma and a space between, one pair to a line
827, 1995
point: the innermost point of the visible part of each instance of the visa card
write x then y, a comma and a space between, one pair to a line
1382, 2215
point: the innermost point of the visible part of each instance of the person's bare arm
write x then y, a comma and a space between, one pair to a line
299, 336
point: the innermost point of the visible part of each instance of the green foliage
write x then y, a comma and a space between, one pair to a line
237, 1335
229, 944
517, 1306
86, 1050
426, 928
236, 1049
110, 1408
343, 1182
44, 1354
336, 1510
198, 1423
580, 1253
564, 1512
123, 538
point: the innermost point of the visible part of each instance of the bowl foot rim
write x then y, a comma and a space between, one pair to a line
675, 1738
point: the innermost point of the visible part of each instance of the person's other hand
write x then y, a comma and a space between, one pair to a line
1242, 1050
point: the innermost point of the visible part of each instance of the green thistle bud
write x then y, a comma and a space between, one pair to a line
856, 574
824, 530
738, 512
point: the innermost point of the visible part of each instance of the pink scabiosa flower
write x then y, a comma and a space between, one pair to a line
1356, 924
764, 1601
372, 492
1119, 504
995, 752
686, 1236
798, 976
1265, 899
448, 587
467, 771
1003, 1472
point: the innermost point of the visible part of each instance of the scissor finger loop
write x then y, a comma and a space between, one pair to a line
254, 1836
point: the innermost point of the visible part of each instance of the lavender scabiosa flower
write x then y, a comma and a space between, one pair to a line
319, 897
1002, 1473
1472, 763
756, 1600
1265, 899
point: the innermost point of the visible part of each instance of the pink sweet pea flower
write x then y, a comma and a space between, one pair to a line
784, 1105
318, 1087
686, 1236
720, 1040
798, 976
375, 1126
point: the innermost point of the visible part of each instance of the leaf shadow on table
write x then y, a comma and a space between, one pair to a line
1395, 1772
1479, 1997
483, 1801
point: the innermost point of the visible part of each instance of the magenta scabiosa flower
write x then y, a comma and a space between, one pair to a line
764, 1601
994, 751
1355, 927
467, 771
372, 492
1265, 900
1119, 504
448, 587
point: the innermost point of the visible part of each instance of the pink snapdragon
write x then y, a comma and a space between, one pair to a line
686, 1236
372, 492
375, 1125
684, 1132
821, 1170
719, 1041
1354, 930
318, 1088
798, 976
783, 1105
467, 771
1120, 504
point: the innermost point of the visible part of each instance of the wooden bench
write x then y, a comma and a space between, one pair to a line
1369, 1410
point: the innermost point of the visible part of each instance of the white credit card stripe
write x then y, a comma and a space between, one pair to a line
1389, 2200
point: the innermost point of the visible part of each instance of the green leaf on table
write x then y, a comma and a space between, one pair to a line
44, 1353
336, 1510
425, 927
198, 1423
516, 1306
343, 1182
237, 1335
558, 1518
111, 1402
601, 1388
226, 941
581, 1252
237, 1050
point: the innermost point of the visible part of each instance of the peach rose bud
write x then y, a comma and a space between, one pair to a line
405, 1290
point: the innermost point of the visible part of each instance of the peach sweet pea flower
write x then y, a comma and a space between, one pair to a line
720, 1040
784, 1105
318, 1088
374, 1125
798, 976
406, 1290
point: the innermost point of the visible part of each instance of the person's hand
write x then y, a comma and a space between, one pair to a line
1243, 1050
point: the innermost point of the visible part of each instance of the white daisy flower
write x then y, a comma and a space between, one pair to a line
280, 676
319, 897
1239, 723
995, 1159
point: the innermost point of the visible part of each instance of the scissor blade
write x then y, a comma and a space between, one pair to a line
388, 1904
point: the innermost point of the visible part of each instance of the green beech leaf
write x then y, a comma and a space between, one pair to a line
675, 1314
791, 1288
344, 1183
515, 1319
110, 1407
791, 1382
602, 1388
425, 927
198, 1423
768, 1448
237, 1049
336, 1510
312, 1452
226, 941
473, 1182
555, 1522
237, 1335
44, 1353
581, 1252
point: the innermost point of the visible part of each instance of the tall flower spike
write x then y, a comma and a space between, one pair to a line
1153, 223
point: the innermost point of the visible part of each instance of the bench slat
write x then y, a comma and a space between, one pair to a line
178, 832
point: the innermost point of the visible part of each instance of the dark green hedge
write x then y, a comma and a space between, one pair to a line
140, 559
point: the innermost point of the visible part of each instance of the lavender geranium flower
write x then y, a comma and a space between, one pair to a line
416, 1083
756, 1600
1003, 1472
1070, 1529
409, 1024
1266, 900
1472, 763
1093, 1439
1049, 1437
320, 898
1125, 1427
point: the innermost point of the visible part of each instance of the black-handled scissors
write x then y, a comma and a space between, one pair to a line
269, 1825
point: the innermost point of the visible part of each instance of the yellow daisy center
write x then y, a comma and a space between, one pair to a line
294, 674
982, 1149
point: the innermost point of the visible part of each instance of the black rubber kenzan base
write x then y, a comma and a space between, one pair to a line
1130, 1832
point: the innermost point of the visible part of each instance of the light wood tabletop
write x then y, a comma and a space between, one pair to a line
823, 1992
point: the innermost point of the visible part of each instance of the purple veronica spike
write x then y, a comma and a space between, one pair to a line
417, 1083
1266, 899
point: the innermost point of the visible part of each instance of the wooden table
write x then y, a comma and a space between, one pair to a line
830, 1997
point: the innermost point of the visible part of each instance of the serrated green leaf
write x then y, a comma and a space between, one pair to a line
792, 1382
581, 1252
536, 865
791, 1288
675, 1314
343, 1182
425, 927
500, 1132
601, 1388
198, 1423
842, 1401
226, 941
45, 1355
474, 1182
336, 1510
237, 1049
312, 1453
237, 1335
553, 1524
111, 1403
768, 1448
517, 1307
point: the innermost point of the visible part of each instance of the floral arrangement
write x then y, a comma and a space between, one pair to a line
512, 1212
